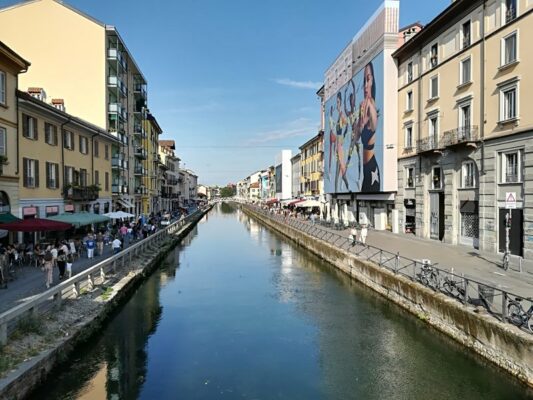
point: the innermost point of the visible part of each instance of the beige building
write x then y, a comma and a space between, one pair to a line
151, 200
170, 193
85, 62
11, 65
312, 166
64, 162
465, 142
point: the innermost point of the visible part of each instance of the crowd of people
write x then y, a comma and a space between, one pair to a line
62, 254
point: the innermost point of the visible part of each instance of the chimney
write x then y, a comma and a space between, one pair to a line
59, 104
38, 93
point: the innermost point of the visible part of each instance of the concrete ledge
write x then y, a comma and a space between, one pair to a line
31, 374
503, 344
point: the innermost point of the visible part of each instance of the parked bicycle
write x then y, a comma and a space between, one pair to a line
518, 316
428, 276
454, 288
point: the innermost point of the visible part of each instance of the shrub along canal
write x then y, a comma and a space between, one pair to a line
237, 311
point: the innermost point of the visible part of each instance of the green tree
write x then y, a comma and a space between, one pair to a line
228, 191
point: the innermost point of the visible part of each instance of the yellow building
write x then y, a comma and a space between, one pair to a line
85, 62
312, 166
151, 195
11, 65
64, 162
465, 136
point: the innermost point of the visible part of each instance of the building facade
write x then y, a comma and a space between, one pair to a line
360, 122
97, 77
312, 166
465, 136
170, 190
295, 162
64, 162
283, 175
11, 65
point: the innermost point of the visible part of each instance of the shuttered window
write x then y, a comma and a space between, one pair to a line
29, 127
30, 172
52, 175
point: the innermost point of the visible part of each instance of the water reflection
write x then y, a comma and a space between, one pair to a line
239, 312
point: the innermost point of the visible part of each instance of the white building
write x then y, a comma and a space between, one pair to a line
283, 168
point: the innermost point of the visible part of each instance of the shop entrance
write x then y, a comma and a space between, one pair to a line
436, 215
410, 215
516, 233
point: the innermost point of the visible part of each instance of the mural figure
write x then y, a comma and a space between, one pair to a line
355, 137
366, 130
341, 128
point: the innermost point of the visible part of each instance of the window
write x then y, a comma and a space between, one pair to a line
465, 111
96, 150
465, 34
509, 102
511, 167
509, 49
29, 127
3, 88
69, 175
106, 152
468, 179
510, 10
433, 130
436, 178
410, 177
68, 140
84, 144
409, 136
434, 87
52, 175
50, 134
466, 71
410, 72
30, 173
97, 177
434, 56
3, 138
83, 177
409, 101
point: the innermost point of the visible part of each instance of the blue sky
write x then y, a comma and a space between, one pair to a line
234, 81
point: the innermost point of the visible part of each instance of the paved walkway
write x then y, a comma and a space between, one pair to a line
30, 280
485, 267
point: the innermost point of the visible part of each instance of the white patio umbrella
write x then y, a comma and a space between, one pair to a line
335, 215
119, 215
345, 213
328, 212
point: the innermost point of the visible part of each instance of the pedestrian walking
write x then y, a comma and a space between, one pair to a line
90, 244
364, 233
70, 261
116, 245
353, 236
61, 262
48, 267
53, 250
100, 243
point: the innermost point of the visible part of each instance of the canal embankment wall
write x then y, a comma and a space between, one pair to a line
33, 372
502, 344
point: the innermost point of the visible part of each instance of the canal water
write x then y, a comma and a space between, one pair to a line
239, 312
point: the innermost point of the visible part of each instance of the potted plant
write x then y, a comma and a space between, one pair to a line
3, 161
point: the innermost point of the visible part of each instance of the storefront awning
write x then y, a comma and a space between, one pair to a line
272, 201
125, 203
8, 217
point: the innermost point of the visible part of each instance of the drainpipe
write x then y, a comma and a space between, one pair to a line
482, 124
92, 157
63, 147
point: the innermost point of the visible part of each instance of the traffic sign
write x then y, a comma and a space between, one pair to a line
510, 200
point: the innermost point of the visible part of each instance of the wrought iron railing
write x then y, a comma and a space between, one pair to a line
463, 134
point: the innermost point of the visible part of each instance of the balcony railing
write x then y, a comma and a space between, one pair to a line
140, 89
115, 54
83, 193
139, 170
140, 152
117, 108
430, 143
463, 134
141, 190
510, 14
116, 82
119, 163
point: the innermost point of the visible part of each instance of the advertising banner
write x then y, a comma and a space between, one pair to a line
353, 138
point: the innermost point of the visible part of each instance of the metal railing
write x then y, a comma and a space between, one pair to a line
469, 291
87, 279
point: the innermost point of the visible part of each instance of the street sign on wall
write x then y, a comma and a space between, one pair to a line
510, 200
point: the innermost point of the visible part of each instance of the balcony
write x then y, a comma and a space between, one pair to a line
510, 14
429, 145
81, 193
140, 153
138, 130
114, 81
139, 170
116, 55
140, 90
119, 163
141, 190
116, 108
116, 189
465, 135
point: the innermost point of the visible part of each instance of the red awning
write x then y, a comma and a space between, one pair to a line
295, 202
272, 201
36, 225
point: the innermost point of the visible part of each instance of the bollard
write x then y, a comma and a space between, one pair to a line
90, 282
504, 306
3, 334
465, 298
397, 262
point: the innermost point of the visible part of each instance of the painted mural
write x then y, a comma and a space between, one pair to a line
353, 141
